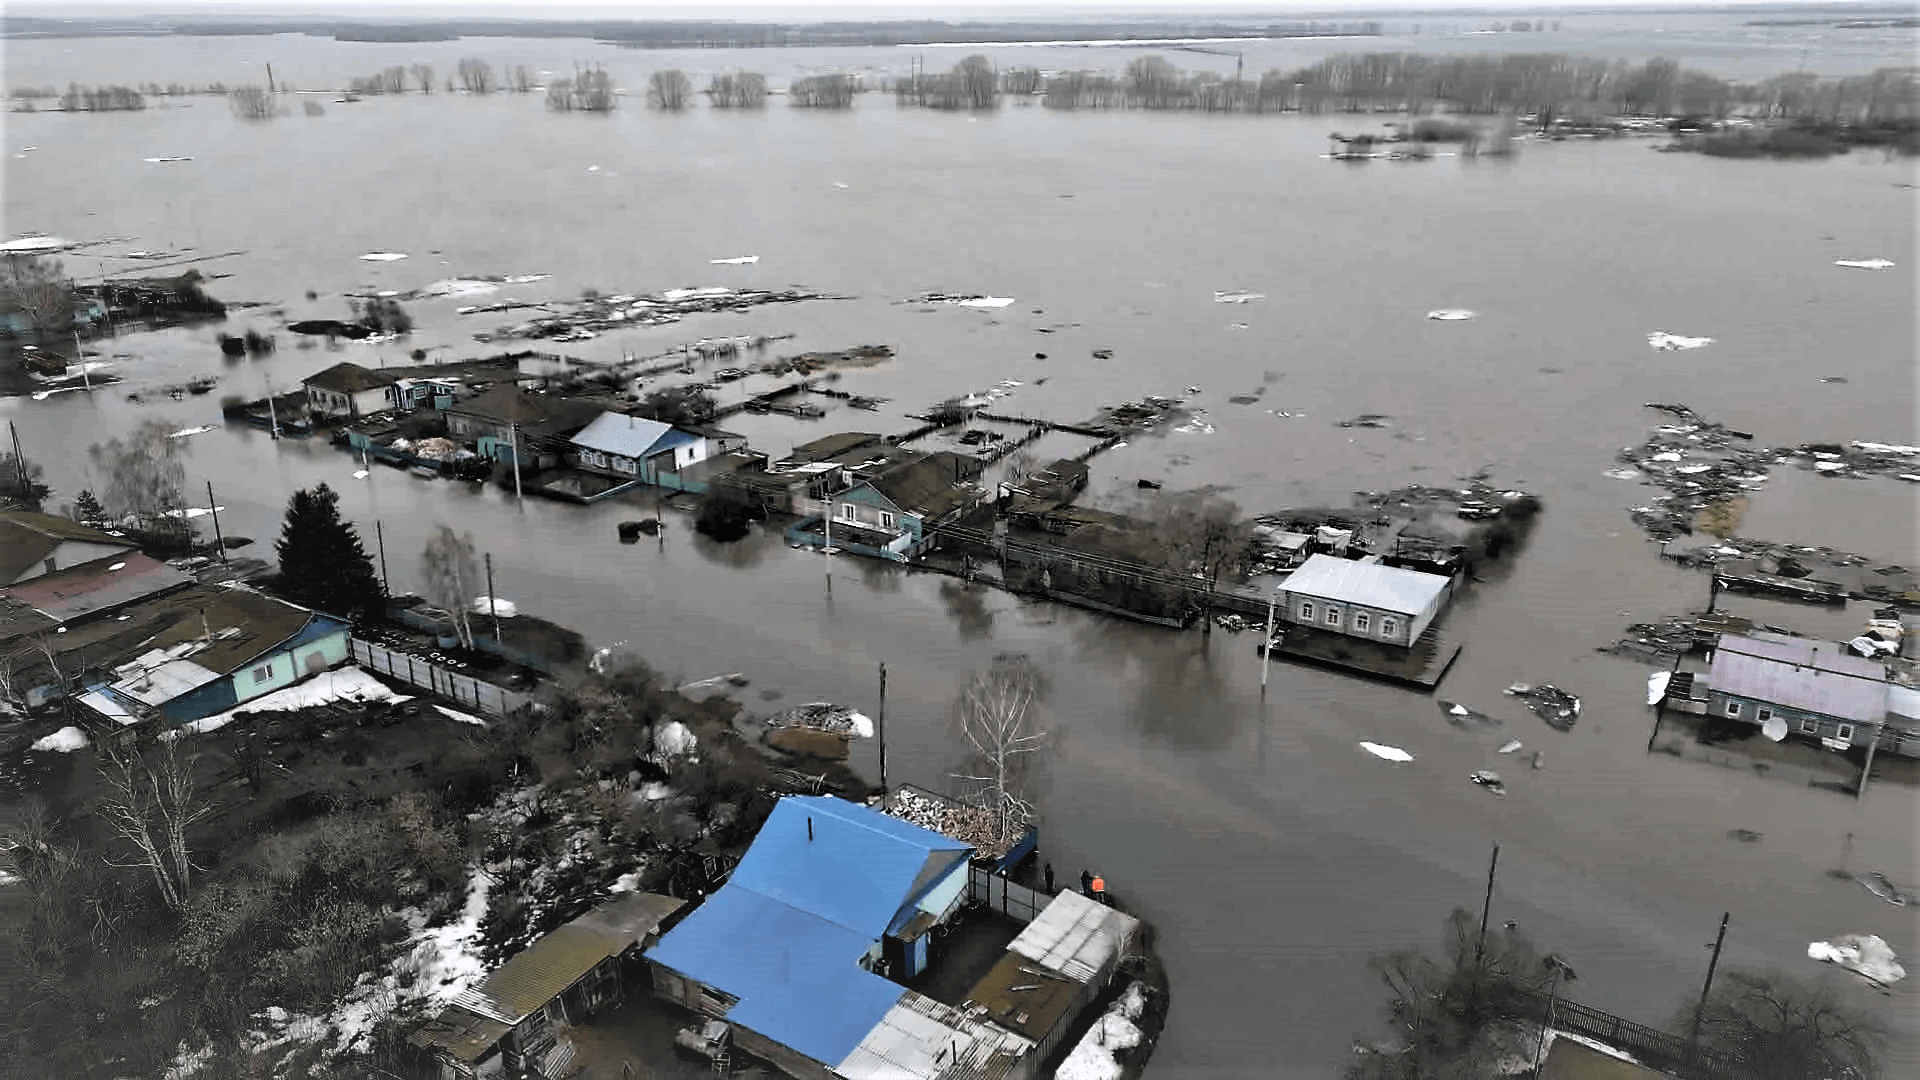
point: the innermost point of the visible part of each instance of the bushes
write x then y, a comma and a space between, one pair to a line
727, 513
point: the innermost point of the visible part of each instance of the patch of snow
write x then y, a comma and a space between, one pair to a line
1887, 448
654, 792
1387, 753
689, 294
361, 474
1666, 342
1450, 314
1237, 296
1865, 264
1657, 686
459, 287
194, 512
493, 605
64, 741
1866, 955
742, 260
464, 718
625, 883
7, 878
672, 739
862, 726
1829, 466
341, 684
1096, 1055
383, 256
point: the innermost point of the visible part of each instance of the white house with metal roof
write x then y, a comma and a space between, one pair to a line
1363, 599
651, 451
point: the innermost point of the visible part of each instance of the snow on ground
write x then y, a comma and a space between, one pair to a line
64, 741
465, 718
625, 883
1657, 686
341, 684
493, 605
1095, 1057
672, 739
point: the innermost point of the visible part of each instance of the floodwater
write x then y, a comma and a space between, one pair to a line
1274, 855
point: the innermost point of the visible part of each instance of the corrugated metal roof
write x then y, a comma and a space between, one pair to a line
1074, 936
1903, 702
157, 677
857, 870
618, 433
1817, 676
462, 1033
797, 977
100, 585
923, 1039
1024, 997
1387, 588
538, 973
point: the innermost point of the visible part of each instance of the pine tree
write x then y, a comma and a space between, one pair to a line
322, 562
87, 509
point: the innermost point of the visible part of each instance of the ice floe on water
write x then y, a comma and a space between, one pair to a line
1866, 955
967, 301
1385, 752
167, 160
691, 293
459, 287
1666, 342
31, 245
184, 432
1865, 264
1236, 296
739, 260
1449, 314
1622, 474
383, 256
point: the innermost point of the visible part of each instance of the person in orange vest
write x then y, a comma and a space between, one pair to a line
1099, 888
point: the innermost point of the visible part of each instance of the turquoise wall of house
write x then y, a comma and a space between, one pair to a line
872, 504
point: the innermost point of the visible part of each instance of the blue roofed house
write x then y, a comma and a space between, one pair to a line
794, 951
650, 451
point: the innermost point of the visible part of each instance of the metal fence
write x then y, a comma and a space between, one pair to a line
1013, 900
1652, 1046
484, 696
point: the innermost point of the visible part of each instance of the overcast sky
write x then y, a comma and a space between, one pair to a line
817, 9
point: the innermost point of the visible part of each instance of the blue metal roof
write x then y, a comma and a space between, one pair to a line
857, 870
797, 977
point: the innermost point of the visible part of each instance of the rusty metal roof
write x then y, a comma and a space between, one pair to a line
923, 1039
465, 1035
538, 973
1023, 997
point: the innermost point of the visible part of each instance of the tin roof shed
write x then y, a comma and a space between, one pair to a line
923, 1039
1075, 936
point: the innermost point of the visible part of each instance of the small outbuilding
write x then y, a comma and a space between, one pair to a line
1363, 599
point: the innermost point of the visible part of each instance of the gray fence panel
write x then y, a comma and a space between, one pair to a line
464, 689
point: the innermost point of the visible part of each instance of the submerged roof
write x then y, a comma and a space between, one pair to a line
796, 976
347, 377
1818, 676
1388, 588
1075, 936
619, 433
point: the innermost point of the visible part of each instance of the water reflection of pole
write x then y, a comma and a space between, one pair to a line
80, 354
827, 551
1486, 908
1266, 647
1713, 964
493, 605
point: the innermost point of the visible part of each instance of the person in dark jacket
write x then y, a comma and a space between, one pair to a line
1049, 879
1086, 884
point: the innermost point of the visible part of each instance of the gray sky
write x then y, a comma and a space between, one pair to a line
819, 9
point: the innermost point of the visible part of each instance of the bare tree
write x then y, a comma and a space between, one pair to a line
1201, 536
738, 90
252, 103
996, 716
423, 76
477, 76
589, 91
560, 95
152, 801
1782, 1028
39, 289
822, 92
520, 79
144, 475
452, 578
669, 90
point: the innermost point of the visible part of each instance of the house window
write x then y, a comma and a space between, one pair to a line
846, 512
1389, 626
262, 673
886, 520
1809, 726
1333, 616
1306, 611
1733, 708
1765, 714
1844, 733
1361, 620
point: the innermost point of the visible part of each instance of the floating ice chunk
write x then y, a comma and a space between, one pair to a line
523, 279
360, 474
1510, 746
1386, 753
742, 260
1666, 342
840, 185
464, 718
1666, 455
1865, 264
184, 432
1829, 466
1694, 469
64, 741
1236, 296
1657, 686
459, 287
1450, 314
28, 245
166, 160
383, 256
689, 294
1622, 474
1866, 955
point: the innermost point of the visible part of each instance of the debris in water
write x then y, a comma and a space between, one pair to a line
167, 160
1865, 264
1386, 753
1666, 342
1365, 420
1490, 780
1834, 380
1878, 884
968, 301
1552, 704
1623, 473
1236, 296
1461, 716
1450, 314
383, 256
1510, 746
1745, 836
742, 260
1866, 955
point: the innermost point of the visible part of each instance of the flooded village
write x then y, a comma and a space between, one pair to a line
810, 663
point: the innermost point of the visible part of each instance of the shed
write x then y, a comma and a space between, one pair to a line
1364, 599
1055, 968
923, 1039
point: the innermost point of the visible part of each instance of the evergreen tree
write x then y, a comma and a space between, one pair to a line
322, 562
87, 509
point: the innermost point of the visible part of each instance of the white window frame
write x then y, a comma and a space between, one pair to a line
1362, 622
1306, 611
1844, 732
1389, 626
1333, 615
1809, 725
263, 673
847, 513
1733, 708
886, 520
1764, 714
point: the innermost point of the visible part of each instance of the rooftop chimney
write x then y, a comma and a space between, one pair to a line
809, 828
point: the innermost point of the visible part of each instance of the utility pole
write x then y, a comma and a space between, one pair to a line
1486, 908
380, 537
882, 729
80, 355
214, 509
270, 79
493, 605
513, 439
1711, 966
1860, 791
19, 461
827, 551
1266, 646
